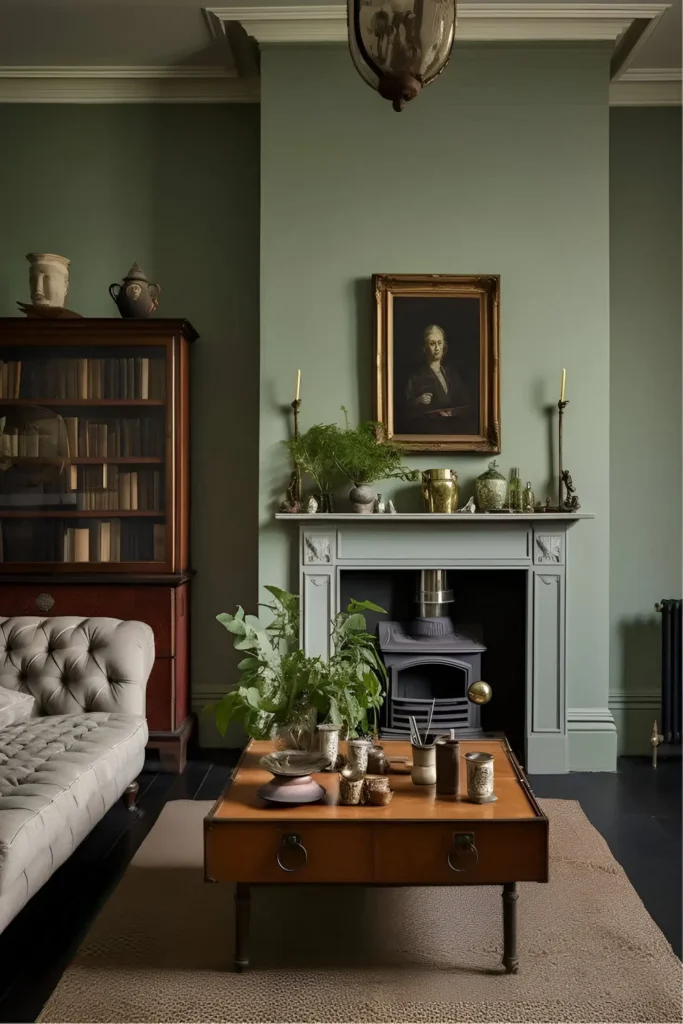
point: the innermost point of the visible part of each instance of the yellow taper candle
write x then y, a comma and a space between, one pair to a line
564, 381
298, 384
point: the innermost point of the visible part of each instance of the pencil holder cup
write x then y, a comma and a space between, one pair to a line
351, 787
423, 772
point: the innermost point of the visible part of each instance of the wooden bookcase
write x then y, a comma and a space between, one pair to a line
94, 487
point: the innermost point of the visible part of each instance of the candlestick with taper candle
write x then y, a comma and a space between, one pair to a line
296, 405
561, 405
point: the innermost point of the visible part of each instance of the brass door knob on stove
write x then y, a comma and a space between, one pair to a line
479, 693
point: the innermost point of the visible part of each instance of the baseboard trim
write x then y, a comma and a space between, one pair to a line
591, 740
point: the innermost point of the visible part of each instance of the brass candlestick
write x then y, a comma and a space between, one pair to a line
561, 406
295, 483
569, 502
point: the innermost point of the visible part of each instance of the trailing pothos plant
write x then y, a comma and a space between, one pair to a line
281, 687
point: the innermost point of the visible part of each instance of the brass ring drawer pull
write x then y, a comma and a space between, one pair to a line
292, 842
463, 845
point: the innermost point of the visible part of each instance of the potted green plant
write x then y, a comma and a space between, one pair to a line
363, 456
283, 693
313, 454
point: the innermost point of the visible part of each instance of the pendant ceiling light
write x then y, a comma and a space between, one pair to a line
398, 46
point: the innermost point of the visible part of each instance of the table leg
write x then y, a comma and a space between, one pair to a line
242, 907
510, 896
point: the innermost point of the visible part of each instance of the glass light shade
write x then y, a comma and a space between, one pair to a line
399, 46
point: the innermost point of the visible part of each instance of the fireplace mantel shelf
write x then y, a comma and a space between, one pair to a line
411, 517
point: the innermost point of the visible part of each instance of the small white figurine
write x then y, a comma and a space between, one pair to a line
469, 507
391, 507
379, 504
311, 506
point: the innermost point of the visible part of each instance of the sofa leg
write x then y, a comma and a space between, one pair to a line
130, 795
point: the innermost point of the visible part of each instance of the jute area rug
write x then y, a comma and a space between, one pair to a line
161, 948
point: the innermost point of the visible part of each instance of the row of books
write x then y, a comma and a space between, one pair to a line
126, 437
110, 489
10, 379
118, 377
104, 541
29, 442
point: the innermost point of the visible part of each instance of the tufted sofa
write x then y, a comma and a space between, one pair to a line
62, 768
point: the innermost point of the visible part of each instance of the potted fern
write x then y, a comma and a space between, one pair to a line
363, 457
283, 693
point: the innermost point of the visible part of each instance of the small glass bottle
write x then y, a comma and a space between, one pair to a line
515, 491
528, 498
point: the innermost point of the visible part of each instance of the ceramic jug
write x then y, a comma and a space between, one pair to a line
440, 490
136, 297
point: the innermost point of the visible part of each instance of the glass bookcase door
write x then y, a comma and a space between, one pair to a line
84, 450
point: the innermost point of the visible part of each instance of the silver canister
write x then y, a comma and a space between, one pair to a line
357, 752
479, 777
328, 744
423, 772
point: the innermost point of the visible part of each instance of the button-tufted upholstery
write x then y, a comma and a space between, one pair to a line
70, 665
58, 777
62, 769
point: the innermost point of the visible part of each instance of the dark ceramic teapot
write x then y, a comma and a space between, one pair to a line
136, 297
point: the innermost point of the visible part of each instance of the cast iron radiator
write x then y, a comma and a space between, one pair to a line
672, 684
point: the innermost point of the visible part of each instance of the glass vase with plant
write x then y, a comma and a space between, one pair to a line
313, 455
283, 693
363, 456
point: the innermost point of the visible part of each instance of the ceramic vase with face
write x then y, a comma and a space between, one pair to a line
48, 277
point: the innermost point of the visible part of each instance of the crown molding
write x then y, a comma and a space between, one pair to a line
130, 84
476, 22
647, 87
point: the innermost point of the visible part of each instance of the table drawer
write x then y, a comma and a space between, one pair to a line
419, 854
322, 853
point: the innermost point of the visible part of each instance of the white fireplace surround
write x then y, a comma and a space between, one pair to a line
535, 543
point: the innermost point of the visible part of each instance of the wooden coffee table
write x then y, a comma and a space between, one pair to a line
418, 839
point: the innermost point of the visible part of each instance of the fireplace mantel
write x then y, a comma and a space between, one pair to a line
332, 543
456, 519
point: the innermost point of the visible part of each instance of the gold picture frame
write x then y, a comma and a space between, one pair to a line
437, 352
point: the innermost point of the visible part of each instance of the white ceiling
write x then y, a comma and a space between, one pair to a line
161, 33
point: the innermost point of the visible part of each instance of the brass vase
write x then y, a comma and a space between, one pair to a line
440, 490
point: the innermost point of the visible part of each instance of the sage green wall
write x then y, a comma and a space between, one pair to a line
176, 188
645, 416
500, 167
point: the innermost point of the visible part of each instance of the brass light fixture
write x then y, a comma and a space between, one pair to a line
399, 46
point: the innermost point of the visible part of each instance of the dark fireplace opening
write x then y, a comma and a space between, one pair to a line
488, 640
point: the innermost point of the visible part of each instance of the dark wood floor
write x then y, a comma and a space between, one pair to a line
637, 810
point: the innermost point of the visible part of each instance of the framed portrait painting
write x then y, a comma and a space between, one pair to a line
437, 360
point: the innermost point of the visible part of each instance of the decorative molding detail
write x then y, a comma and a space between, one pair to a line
513, 22
132, 84
548, 549
640, 700
317, 549
590, 720
647, 87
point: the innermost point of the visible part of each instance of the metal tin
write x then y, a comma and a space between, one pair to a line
479, 777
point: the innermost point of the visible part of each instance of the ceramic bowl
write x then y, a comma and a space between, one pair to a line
294, 764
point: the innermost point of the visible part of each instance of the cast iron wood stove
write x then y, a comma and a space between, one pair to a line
428, 661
